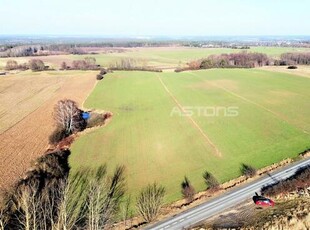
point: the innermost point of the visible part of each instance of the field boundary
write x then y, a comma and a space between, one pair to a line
204, 135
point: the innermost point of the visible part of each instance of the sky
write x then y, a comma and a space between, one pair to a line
155, 18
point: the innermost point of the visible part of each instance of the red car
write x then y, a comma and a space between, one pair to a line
263, 201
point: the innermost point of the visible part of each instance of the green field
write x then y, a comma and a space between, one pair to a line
172, 57
168, 57
155, 144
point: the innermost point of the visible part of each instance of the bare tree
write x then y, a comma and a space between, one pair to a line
3, 219
149, 201
68, 116
91, 199
36, 65
28, 206
211, 181
248, 170
188, 190
48, 199
72, 202
90, 61
64, 66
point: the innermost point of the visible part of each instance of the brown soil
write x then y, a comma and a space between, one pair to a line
22, 94
28, 139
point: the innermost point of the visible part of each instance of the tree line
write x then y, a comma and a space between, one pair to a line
33, 64
246, 60
88, 63
295, 58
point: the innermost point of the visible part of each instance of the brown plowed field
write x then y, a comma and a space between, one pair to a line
26, 108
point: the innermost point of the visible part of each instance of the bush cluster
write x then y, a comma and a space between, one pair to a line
300, 180
292, 67
187, 190
57, 135
97, 119
211, 181
248, 170
89, 63
13, 65
100, 75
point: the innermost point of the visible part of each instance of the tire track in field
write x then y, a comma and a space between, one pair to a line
250, 101
194, 123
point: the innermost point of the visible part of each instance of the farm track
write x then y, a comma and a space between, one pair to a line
27, 139
194, 123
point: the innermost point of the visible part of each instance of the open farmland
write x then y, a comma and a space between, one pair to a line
22, 94
27, 101
172, 57
157, 144
160, 57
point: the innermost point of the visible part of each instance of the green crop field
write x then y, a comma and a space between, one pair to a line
156, 141
162, 57
174, 56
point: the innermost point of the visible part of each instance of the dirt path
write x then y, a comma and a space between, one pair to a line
194, 123
28, 139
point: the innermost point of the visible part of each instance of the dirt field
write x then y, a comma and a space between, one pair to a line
22, 94
27, 102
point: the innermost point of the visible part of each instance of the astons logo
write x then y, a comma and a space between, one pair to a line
205, 111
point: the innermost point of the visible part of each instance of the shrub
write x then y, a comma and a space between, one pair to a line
103, 71
89, 63
99, 77
96, 119
194, 64
57, 135
11, 65
248, 170
149, 201
211, 181
292, 67
300, 180
179, 69
187, 190
64, 66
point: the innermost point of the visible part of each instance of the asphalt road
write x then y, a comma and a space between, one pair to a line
226, 200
